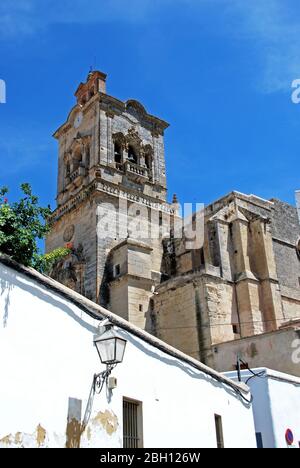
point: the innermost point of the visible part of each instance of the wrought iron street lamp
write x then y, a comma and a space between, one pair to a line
111, 349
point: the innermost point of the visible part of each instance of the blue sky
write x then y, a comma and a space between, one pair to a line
219, 71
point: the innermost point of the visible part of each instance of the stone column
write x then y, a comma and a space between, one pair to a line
71, 163
110, 144
83, 152
223, 238
142, 158
247, 285
103, 137
155, 159
265, 268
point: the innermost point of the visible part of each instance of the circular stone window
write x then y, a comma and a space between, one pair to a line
298, 248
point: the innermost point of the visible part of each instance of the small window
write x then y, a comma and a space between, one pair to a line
88, 157
117, 271
118, 153
141, 307
68, 172
235, 329
219, 431
259, 440
160, 218
148, 161
77, 158
202, 259
132, 424
132, 156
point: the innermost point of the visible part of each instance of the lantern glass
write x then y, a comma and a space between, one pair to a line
120, 349
110, 347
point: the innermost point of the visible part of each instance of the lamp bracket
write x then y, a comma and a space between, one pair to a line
103, 326
100, 379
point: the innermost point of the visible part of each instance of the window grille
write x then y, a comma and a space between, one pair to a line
131, 424
219, 431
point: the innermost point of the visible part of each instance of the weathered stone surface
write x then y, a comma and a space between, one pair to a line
241, 281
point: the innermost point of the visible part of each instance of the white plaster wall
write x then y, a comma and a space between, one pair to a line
285, 407
276, 406
47, 357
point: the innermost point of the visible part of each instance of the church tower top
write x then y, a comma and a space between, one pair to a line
95, 82
112, 142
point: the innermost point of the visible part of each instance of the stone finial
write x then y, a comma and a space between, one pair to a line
176, 205
175, 199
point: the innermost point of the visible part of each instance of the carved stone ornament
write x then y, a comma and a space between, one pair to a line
133, 137
136, 107
110, 113
119, 138
156, 132
69, 233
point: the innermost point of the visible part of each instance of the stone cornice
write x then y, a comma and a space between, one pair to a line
284, 242
132, 243
291, 294
113, 106
189, 278
238, 197
149, 281
110, 189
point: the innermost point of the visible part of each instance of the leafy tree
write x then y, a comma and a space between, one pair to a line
21, 224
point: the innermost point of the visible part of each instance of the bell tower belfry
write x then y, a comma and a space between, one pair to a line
108, 149
105, 138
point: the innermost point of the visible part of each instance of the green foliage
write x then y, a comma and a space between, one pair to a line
21, 224
45, 263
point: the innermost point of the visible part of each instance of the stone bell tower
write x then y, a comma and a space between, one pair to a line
108, 150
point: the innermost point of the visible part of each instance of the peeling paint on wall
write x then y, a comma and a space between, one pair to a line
40, 435
74, 426
73, 432
18, 438
103, 426
23, 440
107, 420
7, 440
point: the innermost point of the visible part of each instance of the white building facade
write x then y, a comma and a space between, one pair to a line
276, 407
47, 367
